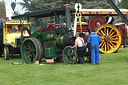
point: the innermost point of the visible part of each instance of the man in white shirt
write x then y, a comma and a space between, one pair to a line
109, 19
79, 43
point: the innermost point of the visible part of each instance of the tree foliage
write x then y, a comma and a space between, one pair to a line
39, 5
2, 10
124, 4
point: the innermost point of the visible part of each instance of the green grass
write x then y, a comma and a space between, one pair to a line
112, 70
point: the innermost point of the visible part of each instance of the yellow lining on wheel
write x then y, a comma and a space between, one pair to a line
5, 53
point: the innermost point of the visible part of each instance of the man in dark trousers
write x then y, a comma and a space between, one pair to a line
94, 40
79, 43
88, 46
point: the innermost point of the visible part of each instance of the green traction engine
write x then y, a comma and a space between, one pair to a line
48, 45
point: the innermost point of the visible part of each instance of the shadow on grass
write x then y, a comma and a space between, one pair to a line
15, 56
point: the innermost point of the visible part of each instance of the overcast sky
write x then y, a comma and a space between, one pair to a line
18, 7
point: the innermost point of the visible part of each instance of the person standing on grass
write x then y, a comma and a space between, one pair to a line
1, 24
1, 36
79, 43
94, 40
88, 46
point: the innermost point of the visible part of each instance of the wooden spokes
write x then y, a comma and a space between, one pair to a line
110, 38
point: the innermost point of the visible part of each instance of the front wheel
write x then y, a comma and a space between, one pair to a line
31, 50
6, 53
69, 55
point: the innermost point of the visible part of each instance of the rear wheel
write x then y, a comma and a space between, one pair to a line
69, 55
30, 50
110, 38
6, 53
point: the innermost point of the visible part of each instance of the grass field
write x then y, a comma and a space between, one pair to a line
112, 70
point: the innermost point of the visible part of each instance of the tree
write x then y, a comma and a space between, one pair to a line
124, 4
2, 10
39, 5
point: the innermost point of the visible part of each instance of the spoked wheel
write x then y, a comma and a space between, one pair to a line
110, 38
31, 50
6, 53
40, 48
69, 55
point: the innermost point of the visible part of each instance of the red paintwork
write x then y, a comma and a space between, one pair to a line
123, 31
51, 27
85, 28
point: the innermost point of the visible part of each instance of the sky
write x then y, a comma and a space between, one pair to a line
18, 7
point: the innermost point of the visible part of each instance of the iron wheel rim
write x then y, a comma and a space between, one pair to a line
29, 51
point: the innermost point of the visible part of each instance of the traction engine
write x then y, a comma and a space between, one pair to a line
56, 42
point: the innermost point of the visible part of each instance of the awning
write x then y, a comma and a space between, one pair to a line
104, 12
60, 11
45, 13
